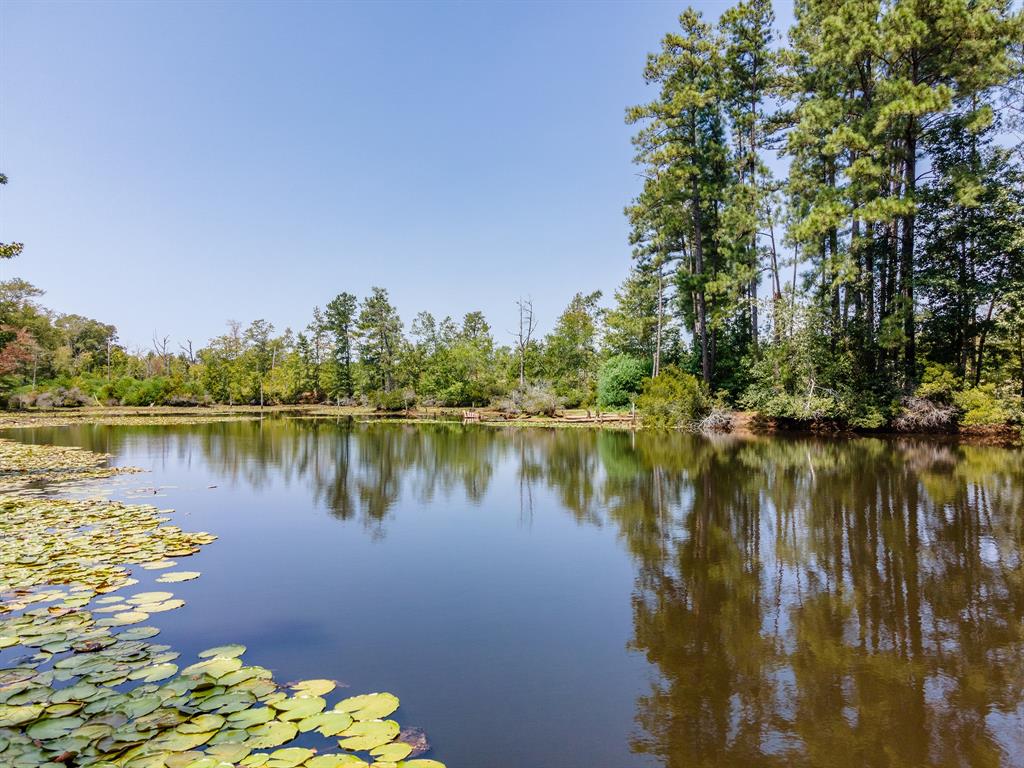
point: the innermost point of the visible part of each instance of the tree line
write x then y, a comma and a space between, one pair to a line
353, 351
830, 225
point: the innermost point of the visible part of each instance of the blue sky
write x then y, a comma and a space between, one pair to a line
175, 165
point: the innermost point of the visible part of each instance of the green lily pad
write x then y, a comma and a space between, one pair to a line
202, 723
289, 757
369, 706
123, 618
367, 734
336, 761
173, 577
176, 741
11, 716
150, 597
329, 723
247, 718
299, 708
215, 667
223, 651
272, 734
315, 687
155, 673
392, 752
229, 751
53, 727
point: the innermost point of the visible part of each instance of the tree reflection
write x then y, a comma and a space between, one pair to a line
826, 604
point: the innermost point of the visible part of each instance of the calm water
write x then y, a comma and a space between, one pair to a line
576, 599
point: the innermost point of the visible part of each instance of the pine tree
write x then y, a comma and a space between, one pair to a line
340, 320
380, 339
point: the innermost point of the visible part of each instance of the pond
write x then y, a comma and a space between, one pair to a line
603, 599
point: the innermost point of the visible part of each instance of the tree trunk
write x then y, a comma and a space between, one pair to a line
702, 310
657, 338
907, 257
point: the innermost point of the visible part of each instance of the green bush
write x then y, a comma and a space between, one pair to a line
937, 384
533, 400
982, 406
395, 400
672, 400
619, 380
146, 392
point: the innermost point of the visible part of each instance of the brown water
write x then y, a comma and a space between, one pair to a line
590, 599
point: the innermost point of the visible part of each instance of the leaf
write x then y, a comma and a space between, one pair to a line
249, 717
369, 706
155, 673
53, 727
272, 734
315, 687
329, 723
336, 761
223, 651
289, 758
123, 618
176, 741
173, 577
215, 667
368, 734
392, 752
150, 597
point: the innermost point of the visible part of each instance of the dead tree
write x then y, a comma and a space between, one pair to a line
160, 349
527, 325
186, 350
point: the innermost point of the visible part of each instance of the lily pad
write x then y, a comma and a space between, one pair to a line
272, 734
289, 757
223, 651
336, 761
368, 734
173, 577
392, 752
369, 706
315, 687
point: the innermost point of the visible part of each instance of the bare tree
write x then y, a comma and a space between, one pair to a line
160, 345
527, 325
186, 350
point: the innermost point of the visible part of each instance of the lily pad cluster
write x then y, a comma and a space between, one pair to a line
22, 464
127, 416
84, 683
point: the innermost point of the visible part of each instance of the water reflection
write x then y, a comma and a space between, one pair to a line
803, 602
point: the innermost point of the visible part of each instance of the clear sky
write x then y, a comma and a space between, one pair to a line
174, 165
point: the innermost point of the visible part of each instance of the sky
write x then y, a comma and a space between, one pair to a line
175, 165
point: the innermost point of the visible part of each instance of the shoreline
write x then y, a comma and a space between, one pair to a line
744, 423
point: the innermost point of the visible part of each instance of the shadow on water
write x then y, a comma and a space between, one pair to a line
797, 601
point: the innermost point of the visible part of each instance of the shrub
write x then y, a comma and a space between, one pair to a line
619, 380
672, 400
937, 384
982, 406
154, 391
532, 400
395, 400
574, 397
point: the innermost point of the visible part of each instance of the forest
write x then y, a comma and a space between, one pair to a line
830, 227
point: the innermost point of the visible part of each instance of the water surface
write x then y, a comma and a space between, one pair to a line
584, 599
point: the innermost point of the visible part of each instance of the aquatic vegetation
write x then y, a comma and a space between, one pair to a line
22, 464
94, 689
